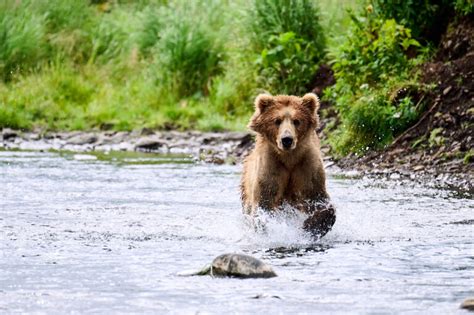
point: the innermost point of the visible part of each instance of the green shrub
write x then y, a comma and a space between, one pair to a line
374, 120
464, 7
375, 51
289, 41
372, 64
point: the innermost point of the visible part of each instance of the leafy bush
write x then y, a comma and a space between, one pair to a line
372, 63
290, 42
373, 121
375, 51
464, 7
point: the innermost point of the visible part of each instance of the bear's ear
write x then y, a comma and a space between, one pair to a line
263, 102
311, 101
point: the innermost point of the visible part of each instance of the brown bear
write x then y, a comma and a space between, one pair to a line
286, 166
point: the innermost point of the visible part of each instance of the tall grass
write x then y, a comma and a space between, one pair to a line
22, 39
188, 54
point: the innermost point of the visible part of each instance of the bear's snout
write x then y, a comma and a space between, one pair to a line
287, 141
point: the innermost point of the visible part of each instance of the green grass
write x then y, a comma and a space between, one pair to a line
71, 65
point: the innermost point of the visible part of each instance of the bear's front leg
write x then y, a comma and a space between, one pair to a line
270, 192
269, 183
321, 220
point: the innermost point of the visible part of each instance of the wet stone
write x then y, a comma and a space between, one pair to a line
116, 138
447, 90
33, 136
418, 167
240, 266
468, 304
81, 139
149, 144
9, 134
65, 135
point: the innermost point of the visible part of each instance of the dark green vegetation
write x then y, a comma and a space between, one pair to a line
67, 65
378, 90
291, 43
370, 66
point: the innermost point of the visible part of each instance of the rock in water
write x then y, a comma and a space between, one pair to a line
233, 265
240, 266
468, 304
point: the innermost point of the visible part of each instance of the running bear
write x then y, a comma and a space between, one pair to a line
286, 166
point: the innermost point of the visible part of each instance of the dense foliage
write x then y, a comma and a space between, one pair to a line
426, 18
373, 63
290, 42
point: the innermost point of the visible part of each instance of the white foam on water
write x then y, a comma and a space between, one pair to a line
278, 229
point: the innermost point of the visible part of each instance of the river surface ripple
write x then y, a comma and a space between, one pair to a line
108, 235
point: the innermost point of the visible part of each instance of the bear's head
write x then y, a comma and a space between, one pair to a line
285, 120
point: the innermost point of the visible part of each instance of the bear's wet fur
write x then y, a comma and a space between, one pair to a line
286, 165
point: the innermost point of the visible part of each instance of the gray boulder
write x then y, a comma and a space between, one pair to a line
9, 134
149, 144
235, 266
83, 138
468, 304
240, 266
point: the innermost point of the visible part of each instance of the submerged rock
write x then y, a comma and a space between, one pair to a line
236, 266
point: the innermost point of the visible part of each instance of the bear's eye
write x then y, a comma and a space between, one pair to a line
296, 122
278, 122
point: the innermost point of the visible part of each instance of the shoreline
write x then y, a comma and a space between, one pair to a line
209, 147
225, 148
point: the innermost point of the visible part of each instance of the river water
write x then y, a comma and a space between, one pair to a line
109, 233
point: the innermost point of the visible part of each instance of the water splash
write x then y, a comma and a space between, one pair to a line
282, 228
